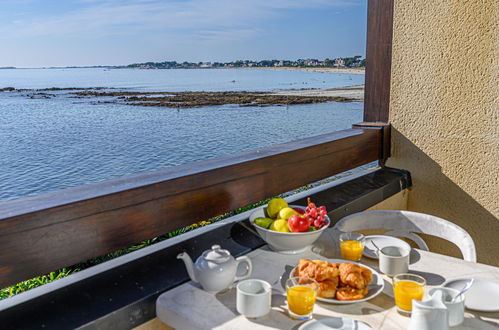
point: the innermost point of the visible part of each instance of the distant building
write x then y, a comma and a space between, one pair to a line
311, 62
339, 62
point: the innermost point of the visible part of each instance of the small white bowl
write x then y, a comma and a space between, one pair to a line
288, 243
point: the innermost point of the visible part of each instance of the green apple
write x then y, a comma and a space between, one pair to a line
280, 225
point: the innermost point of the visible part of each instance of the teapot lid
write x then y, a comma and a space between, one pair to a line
217, 254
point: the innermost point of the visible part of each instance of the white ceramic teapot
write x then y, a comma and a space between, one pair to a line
215, 269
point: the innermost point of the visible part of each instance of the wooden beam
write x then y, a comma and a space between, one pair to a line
378, 60
385, 137
50, 231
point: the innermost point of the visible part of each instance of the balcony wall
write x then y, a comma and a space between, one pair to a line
443, 111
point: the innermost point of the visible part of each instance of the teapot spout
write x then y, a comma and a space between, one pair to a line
188, 264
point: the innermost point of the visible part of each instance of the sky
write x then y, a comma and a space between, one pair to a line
43, 33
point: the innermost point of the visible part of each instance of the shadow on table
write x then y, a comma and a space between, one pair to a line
284, 277
414, 257
477, 322
431, 278
379, 304
331, 322
228, 299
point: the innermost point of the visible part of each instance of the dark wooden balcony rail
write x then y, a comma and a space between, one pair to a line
58, 229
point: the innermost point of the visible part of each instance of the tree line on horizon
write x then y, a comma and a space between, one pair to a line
345, 62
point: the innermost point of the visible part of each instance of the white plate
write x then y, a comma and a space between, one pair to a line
381, 241
374, 288
334, 323
483, 295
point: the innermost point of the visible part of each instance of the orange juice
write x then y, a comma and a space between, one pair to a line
405, 292
301, 299
351, 250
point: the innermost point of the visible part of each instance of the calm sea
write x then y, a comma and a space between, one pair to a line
51, 144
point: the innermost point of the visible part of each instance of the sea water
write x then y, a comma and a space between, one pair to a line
61, 142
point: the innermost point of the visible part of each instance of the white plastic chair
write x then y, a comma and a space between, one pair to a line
406, 223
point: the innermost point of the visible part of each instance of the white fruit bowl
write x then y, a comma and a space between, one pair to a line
289, 243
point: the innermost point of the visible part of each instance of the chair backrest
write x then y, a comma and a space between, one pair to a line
406, 223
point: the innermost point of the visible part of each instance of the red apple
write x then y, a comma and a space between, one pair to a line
301, 211
298, 223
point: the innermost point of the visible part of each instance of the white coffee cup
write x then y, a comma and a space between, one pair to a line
253, 298
393, 260
455, 309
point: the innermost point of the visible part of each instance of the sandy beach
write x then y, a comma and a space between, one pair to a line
351, 92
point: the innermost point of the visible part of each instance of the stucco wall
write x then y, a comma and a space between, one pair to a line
444, 113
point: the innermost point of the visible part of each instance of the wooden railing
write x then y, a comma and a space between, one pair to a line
58, 229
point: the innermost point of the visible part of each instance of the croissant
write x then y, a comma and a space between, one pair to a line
327, 288
352, 279
349, 293
354, 275
318, 270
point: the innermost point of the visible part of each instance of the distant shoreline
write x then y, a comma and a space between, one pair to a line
356, 71
313, 69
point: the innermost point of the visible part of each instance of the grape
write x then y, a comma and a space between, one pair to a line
315, 215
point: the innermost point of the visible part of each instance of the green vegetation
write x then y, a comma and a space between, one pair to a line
349, 62
34, 282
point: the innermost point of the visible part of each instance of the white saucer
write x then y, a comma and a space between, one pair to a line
381, 241
334, 323
483, 295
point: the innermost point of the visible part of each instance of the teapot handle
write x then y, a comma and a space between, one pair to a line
250, 267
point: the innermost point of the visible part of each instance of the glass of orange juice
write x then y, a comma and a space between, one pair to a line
406, 288
301, 293
351, 246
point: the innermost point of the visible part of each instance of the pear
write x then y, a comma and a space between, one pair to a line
286, 213
263, 222
275, 205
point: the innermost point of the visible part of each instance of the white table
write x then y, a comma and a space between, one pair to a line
189, 307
